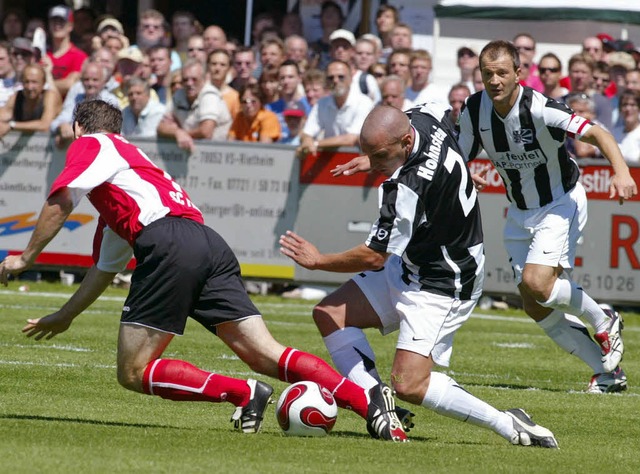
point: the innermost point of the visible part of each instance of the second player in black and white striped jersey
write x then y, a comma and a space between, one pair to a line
526, 146
523, 132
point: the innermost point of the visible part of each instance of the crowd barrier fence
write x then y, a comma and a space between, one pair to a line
252, 193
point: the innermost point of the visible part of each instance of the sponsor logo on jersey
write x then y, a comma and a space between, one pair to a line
428, 169
523, 136
519, 161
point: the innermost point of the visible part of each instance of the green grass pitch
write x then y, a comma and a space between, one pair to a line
62, 411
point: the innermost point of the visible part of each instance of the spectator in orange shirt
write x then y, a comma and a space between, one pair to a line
254, 123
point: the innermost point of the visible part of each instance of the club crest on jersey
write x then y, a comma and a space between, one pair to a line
523, 136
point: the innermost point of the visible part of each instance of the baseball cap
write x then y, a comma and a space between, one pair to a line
621, 59
132, 54
22, 44
61, 11
605, 37
343, 34
293, 110
466, 51
110, 23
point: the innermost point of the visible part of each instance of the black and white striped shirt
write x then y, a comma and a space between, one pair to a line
527, 147
429, 212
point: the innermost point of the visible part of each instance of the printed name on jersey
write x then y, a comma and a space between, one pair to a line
427, 170
519, 161
523, 136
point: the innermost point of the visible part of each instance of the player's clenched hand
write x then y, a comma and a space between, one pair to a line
304, 253
624, 187
47, 327
12, 265
358, 164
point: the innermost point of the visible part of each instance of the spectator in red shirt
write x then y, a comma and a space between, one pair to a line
66, 58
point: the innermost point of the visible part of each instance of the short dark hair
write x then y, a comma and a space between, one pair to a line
494, 49
96, 116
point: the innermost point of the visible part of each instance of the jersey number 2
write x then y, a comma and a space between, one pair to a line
452, 160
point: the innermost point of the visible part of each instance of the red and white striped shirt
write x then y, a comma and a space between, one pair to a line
127, 189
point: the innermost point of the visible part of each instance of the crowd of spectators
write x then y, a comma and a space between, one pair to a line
186, 81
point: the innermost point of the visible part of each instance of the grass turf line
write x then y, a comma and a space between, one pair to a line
61, 409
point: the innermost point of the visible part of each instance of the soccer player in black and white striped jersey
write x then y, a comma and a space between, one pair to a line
523, 132
423, 267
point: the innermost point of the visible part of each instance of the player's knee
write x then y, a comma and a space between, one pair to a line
324, 320
535, 286
129, 379
409, 390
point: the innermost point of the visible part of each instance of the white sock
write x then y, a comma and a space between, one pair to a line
572, 335
446, 397
568, 297
353, 357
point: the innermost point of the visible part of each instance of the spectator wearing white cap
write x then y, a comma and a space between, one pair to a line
107, 28
343, 48
66, 59
129, 63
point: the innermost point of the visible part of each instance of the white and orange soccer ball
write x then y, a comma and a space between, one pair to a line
306, 409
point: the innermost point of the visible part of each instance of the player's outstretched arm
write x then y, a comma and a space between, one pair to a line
304, 253
622, 184
92, 286
54, 212
358, 164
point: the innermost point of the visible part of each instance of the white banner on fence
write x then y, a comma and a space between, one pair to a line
246, 193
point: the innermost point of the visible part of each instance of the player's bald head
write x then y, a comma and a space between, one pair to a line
384, 124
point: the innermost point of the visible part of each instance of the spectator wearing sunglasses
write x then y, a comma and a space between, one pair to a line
196, 49
254, 123
526, 46
550, 70
338, 117
196, 111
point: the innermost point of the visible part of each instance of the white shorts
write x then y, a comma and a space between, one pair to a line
548, 235
427, 321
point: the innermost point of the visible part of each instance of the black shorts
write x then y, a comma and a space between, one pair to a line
183, 269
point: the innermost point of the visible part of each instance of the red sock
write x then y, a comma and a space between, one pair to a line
180, 381
295, 366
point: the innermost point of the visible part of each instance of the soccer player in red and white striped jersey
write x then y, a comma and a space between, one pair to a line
183, 268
